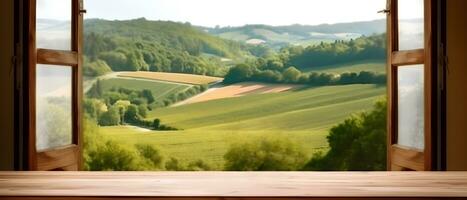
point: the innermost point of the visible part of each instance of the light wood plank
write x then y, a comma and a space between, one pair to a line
63, 158
55, 57
408, 158
411, 57
234, 184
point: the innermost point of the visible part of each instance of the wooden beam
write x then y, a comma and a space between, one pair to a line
411, 57
63, 158
55, 57
412, 159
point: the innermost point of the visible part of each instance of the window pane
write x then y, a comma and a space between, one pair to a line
53, 106
411, 25
53, 24
411, 106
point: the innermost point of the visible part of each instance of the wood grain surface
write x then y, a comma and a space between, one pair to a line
233, 184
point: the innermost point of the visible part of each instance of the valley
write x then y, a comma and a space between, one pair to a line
189, 94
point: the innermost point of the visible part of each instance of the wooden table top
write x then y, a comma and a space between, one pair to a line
234, 184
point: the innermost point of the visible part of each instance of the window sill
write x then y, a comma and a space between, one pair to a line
233, 184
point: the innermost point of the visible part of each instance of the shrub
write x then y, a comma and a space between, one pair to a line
111, 156
198, 165
265, 154
152, 154
174, 165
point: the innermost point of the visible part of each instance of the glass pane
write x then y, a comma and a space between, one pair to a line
411, 113
53, 106
53, 24
411, 25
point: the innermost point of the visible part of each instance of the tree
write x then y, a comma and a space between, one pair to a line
95, 68
156, 124
94, 107
116, 60
239, 73
96, 90
110, 118
358, 143
148, 95
291, 75
143, 110
265, 154
131, 114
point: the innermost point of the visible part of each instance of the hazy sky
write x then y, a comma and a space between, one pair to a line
238, 12
232, 12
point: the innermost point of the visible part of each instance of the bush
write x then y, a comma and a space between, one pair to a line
100, 154
265, 155
174, 165
111, 156
150, 153
198, 165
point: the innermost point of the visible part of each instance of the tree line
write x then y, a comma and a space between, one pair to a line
292, 75
340, 51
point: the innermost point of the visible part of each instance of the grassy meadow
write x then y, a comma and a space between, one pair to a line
209, 128
159, 89
173, 77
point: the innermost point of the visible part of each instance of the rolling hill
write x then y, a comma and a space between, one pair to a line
183, 37
296, 34
160, 90
303, 116
278, 36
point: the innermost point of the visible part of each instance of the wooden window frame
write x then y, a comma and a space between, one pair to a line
399, 157
70, 158
67, 157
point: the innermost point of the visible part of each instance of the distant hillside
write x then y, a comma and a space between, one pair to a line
176, 35
163, 46
278, 36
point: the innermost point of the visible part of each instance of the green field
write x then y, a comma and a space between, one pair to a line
159, 89
378, 66
209, 128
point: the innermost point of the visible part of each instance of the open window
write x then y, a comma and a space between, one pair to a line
55, 92
409, 83
55, 85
